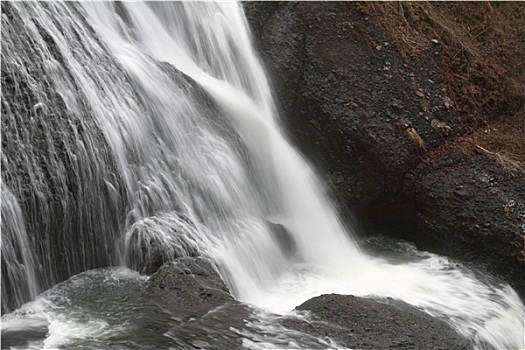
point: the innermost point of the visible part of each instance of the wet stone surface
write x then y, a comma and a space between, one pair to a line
360, 323
189, 285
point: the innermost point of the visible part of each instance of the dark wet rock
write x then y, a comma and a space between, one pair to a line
217, 329
472, 210
150, 254
259, 13
285, 239
56, 159
18, 338
360, 323
204, 314
190, 285
192, 291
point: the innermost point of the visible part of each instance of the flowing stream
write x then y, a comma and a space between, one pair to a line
149, 128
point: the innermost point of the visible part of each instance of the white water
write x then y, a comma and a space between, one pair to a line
18, 261
227, 194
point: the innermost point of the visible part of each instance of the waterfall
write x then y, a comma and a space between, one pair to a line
18, 263
148, 132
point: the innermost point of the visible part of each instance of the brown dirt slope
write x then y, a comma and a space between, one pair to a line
482, 45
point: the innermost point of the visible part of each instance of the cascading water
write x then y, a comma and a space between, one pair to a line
18, 264
146, 165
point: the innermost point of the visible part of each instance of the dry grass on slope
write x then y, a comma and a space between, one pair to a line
482, 47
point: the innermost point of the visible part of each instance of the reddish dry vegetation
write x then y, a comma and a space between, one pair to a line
482, 47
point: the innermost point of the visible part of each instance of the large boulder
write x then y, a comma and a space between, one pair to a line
360, 323
189, 285
472, 209
204, 315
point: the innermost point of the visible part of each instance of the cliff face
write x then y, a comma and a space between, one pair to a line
383, 126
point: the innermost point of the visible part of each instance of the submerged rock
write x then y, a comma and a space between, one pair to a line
360, 323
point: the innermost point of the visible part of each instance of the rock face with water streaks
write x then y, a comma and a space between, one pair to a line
360, 323
57, 158
375, 124
49, 147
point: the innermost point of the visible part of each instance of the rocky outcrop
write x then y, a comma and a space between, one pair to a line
59, 157
375, 124
359, 323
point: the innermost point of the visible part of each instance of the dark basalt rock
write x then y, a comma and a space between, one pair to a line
360, 323
204, 314
473, 210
